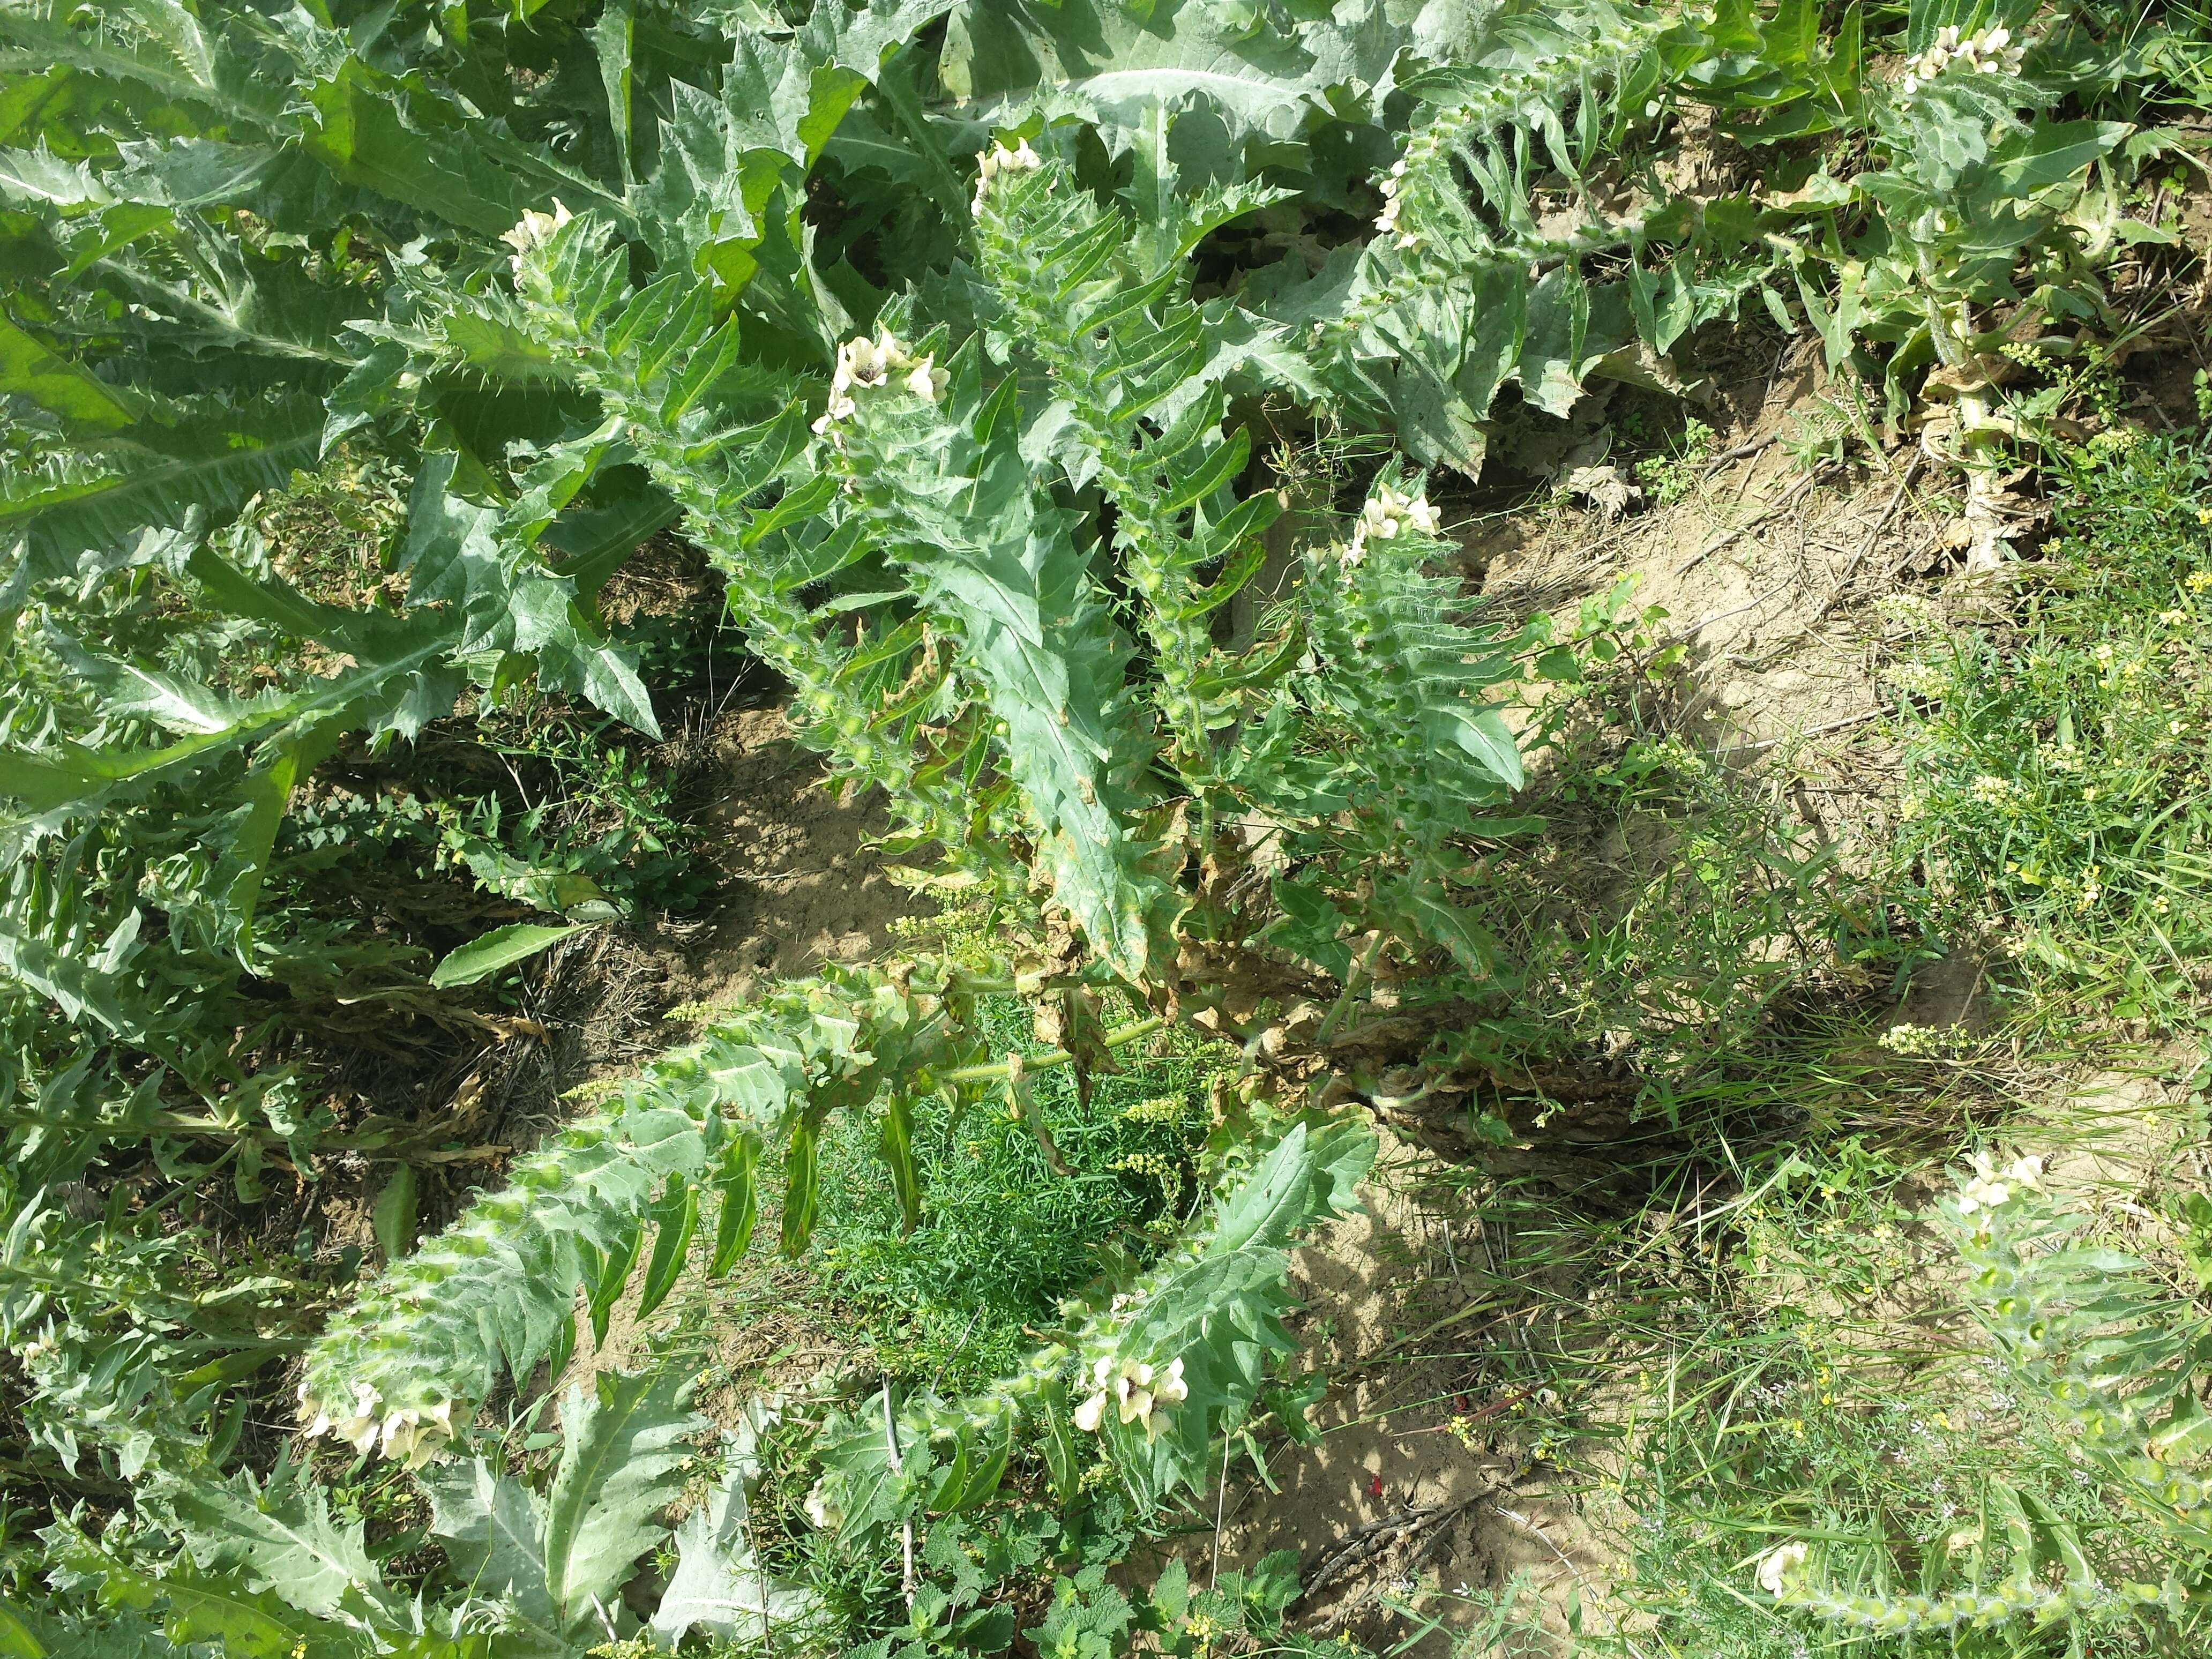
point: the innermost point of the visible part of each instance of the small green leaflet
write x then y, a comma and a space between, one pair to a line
394, 1215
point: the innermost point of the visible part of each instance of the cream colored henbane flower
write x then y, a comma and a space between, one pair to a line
399, 1431
1133, 1392
415, 1434
1386, 220
1779, 1566
1985, 1191
1993, 51
418, 1436
927, 382
1383, 515
998, 160
359, 1430
1140, 1393
532, 230
1092, 1412
1170, 1389
867, 364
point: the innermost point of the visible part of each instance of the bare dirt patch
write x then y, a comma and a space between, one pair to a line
804, 885
1422, 1470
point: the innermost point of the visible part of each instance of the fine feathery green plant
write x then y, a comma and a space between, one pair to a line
1147, 1373
1003, 1237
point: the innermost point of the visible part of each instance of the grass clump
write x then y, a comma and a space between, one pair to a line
2057, 801
1675, 908
2036, 1491
1860, 1419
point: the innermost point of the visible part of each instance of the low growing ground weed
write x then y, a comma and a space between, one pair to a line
2022, 1481
1672, 476
2058, 795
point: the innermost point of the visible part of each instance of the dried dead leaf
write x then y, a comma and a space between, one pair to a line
1604, 488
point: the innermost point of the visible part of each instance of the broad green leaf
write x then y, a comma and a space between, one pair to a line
801, 1191
1280, 1195
254, 1624
28, 369
738, 1184
493, 1528
134, 690
2049, 154
209, 463
719, 1585
280, 1539
16, 1639
614, 1277
80, 989
1484, 735
1116, 61
612, 39
897, 1138
995, 558
622, 1462
158, 44
503, 947
361, 134
1062, 1460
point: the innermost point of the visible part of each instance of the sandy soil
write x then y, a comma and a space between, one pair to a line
808, 887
